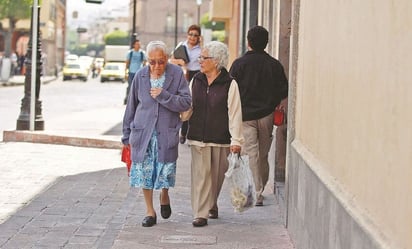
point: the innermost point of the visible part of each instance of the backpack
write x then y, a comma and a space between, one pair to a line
129, 57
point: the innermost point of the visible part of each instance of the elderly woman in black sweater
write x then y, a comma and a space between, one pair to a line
215, 129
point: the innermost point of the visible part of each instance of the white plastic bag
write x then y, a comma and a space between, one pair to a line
242, 192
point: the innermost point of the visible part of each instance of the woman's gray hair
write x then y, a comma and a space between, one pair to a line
219, 52
156, 45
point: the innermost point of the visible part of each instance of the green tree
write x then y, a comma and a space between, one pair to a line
218, 28
13, 10
116, 37
214, 26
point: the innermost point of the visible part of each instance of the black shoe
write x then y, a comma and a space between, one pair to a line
149, 221
213, 214
182, 139
165, 211
199, 222
259, 201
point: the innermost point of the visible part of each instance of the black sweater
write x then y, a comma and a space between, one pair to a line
262, 83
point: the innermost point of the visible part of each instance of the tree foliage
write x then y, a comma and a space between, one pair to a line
117, 37
206, 23
218, 28
15, 9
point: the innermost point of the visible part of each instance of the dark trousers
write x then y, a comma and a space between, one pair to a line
129, 83
185, 124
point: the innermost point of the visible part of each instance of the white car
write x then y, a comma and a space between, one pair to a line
71, 58
87, 61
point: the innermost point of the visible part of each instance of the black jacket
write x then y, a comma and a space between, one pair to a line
262, 83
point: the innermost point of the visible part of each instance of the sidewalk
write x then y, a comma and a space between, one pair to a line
77, 129
61, 194
19, 80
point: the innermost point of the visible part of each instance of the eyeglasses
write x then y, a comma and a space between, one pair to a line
203, 58
193, 34
158, 62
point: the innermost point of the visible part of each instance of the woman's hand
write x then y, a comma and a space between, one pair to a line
155, 91
235, 149
179, 62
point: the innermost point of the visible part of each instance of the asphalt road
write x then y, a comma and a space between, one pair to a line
67, 102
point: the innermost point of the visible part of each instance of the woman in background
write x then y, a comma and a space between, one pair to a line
191, 67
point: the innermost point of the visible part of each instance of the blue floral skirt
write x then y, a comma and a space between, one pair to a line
152, 174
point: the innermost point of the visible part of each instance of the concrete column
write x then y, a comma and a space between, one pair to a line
284, 53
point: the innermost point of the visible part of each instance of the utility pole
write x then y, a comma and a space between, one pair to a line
176, 13
134, 35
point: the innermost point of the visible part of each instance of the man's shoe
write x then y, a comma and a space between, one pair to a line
259, 201
182, 139
165, 211
149, 221
199, 222
213, 214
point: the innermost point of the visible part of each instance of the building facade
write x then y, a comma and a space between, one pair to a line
348, 142
52, 28
156, 20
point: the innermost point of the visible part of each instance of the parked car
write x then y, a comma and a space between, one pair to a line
75, 71
113, 71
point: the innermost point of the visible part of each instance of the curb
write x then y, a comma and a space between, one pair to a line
38, 137
11, 82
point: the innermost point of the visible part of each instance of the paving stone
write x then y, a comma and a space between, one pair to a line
188, 239
83, 203
83, 240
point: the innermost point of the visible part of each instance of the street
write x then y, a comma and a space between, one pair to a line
68, 102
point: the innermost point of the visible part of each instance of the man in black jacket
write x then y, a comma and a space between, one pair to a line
263, 87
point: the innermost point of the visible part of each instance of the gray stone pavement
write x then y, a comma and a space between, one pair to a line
64, 196
58, 196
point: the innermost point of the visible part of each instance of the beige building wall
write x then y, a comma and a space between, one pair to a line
155, 20
228, 11
352, 113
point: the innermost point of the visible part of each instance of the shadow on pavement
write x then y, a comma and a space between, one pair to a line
73, 212
115, 130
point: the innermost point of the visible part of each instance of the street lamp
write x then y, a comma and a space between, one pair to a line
30, 117
198, 2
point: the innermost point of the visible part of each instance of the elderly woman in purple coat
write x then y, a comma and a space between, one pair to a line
151, 126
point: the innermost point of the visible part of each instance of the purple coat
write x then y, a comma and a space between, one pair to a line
144, 114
